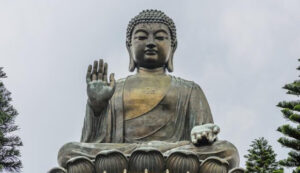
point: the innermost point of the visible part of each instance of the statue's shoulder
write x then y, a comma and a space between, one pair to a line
184, 83
120, 82
191, 85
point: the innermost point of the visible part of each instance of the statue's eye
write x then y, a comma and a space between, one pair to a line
141, 37
159, 37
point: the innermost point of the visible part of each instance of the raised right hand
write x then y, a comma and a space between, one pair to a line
99, 90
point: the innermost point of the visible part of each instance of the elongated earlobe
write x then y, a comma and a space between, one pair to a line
170, 66
131, 61
131, 64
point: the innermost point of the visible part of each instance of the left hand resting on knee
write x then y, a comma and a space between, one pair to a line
203, 134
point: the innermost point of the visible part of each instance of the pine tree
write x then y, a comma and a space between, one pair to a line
261, 158
291, 112
9, 143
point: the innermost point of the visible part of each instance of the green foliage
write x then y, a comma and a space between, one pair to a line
9, 143
293, 88
279, 171
290, 115
291, 132
297, 170
261, 158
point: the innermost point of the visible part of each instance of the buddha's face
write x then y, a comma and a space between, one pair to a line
151, 45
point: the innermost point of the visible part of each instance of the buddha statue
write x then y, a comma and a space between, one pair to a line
150, 121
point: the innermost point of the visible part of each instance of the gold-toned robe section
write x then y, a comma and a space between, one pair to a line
142, 93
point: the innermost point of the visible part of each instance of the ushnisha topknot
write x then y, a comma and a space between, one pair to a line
151, 16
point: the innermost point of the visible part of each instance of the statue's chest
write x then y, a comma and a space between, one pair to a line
149, 115
144, 93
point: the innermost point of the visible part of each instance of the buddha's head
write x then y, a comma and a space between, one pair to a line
151, 40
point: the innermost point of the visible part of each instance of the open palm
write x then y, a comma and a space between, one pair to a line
99, 90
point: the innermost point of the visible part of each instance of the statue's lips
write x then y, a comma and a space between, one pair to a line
150, 52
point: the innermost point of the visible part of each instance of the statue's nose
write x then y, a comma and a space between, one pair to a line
151, 43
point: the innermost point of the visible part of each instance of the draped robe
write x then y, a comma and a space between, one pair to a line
170, 130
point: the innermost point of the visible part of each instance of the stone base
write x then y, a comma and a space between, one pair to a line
146, 160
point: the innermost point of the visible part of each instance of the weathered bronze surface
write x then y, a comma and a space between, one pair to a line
142, 93
150, 121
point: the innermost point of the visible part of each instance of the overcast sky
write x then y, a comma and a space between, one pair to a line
241, 52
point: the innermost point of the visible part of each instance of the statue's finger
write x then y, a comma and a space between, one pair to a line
210, 125
204, 134
199, 136
105, 69
112, 81
194, 135
95, 67
105, 72
88, 74
100, 76
105, 78
210, 137
216, 130
94, 77
194, 140
100, 70
89, 70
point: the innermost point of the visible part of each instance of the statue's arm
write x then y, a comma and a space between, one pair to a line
199, 109
99, 92
94, 127
202, 127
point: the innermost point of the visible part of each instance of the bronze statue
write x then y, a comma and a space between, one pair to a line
150, 121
